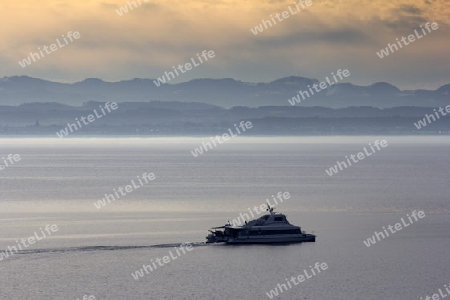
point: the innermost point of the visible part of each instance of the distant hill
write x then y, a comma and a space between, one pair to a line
186, 119
220, 92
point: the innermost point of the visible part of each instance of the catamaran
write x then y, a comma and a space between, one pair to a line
270, 228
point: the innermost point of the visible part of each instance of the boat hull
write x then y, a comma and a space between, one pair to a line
272, 240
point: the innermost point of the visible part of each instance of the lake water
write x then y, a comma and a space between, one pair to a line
95, 251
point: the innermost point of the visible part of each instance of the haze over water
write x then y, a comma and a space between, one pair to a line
57, 182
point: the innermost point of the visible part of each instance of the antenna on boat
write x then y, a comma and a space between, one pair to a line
269, 209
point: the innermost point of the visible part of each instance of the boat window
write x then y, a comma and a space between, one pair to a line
274, 232
278, 219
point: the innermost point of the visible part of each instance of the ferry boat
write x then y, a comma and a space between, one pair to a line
270, 228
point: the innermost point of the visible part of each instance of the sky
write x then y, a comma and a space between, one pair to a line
147, 41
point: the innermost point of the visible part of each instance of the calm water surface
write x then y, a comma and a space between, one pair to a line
95, 250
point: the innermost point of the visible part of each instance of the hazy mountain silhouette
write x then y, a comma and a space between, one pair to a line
182, 118
221, 92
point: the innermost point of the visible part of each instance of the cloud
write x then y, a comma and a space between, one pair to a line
409, 9
153, 37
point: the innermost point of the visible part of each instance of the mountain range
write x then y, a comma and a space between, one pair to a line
158, 118
225, 93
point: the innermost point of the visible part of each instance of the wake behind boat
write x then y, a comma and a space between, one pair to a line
270, 228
